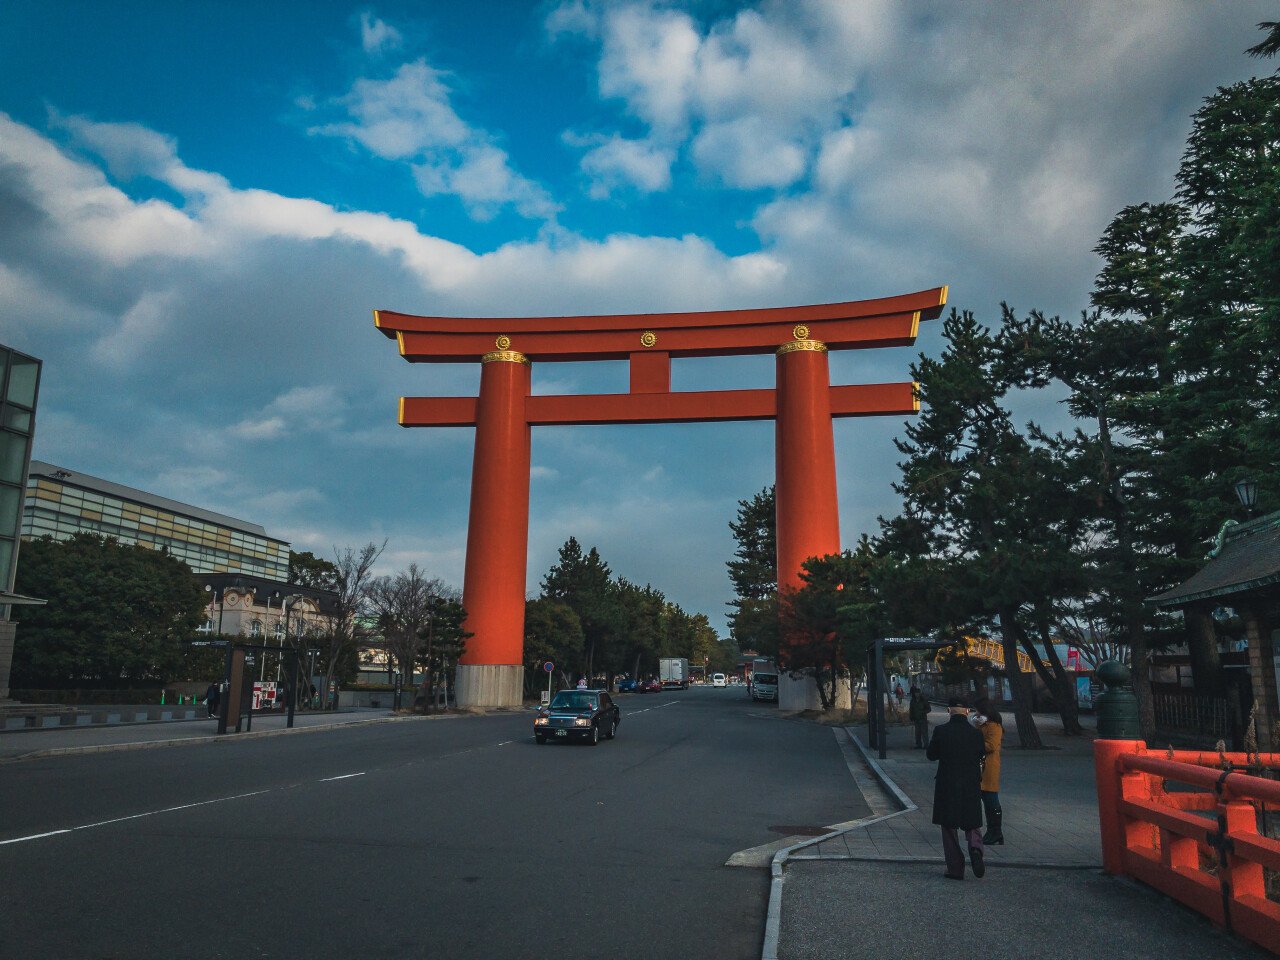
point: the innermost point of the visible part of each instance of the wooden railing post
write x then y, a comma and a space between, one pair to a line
1106, 760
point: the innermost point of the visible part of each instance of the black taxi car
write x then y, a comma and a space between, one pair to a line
588, 715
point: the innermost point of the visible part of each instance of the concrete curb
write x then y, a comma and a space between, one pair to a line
203, 741
777, 868
878, 772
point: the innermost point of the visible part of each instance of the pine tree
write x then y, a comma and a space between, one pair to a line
967, 486
753, 622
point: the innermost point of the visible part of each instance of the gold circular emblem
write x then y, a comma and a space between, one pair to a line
648, 339
502, 342
800, 331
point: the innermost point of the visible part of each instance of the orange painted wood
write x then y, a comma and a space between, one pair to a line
928, 302
457, 347
650, 372
808, 511
498, 529
853, 400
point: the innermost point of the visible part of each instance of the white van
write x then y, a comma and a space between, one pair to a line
764, 686
718, 680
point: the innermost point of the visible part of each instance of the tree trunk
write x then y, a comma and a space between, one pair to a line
1056, 679
1202, 643
1019, 684
1140, 665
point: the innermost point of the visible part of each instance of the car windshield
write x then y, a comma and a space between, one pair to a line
766, 678
573, 701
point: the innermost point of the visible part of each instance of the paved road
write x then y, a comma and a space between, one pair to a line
443, 838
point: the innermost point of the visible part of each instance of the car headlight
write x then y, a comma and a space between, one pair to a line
541, 721
582, 722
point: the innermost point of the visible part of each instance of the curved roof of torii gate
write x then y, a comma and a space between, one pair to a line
883, 322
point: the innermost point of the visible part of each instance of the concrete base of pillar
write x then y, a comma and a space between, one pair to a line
801, 693
490, 685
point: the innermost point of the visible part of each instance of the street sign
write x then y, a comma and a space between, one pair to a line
210, 643
548, 666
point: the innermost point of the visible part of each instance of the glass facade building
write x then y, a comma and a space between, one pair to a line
60, 503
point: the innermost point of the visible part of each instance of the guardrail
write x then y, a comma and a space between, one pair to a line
1202, 845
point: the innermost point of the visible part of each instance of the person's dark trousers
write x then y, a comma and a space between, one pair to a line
951, 849
922, 732
994, 817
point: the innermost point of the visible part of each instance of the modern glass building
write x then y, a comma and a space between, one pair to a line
61, 502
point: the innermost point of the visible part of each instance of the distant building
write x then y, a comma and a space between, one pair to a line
61, 503
19, 386
254, 607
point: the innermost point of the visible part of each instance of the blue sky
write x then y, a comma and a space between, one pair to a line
201, 203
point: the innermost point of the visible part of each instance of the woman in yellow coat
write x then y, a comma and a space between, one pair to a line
991, 726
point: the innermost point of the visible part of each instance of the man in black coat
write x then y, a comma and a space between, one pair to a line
957, 790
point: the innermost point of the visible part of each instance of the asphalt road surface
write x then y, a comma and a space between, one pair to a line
444, 838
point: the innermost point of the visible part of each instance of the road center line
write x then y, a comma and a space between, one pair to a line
345, 776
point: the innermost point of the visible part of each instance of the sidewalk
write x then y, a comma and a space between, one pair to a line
878, 891
30, 744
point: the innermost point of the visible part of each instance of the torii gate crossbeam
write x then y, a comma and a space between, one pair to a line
802, 405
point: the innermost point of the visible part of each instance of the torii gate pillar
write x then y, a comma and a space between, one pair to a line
808, 511
491, 671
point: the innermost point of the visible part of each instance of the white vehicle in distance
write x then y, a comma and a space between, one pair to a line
764, 683
718, 680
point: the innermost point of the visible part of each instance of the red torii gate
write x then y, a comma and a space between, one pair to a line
802, 405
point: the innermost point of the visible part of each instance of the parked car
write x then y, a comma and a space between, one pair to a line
628, 686
718, 680
652, 685
578, 715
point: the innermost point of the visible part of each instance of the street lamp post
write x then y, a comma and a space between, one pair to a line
287, 603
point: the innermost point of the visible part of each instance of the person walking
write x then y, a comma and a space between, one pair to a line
919, 713
212, 697
991, 725
957, 804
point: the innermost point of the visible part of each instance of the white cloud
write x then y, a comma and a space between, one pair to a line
616, 162
376, 35
768, 81
745, 153
410, 117
141, 326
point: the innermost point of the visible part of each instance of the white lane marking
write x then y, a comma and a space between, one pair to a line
135, 816
34, 836
203, 803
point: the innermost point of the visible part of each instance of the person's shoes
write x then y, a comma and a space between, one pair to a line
952, 876
994, 832
975, 858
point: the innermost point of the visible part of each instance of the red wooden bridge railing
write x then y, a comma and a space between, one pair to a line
1202, 845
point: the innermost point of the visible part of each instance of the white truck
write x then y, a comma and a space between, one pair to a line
764, 681
674, 672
